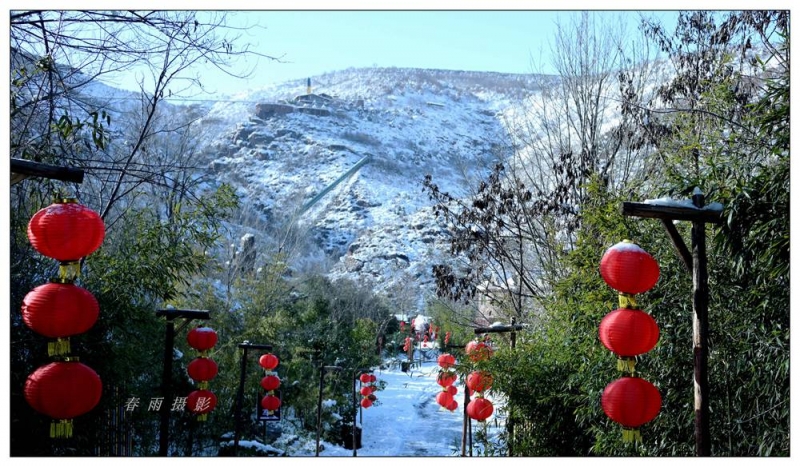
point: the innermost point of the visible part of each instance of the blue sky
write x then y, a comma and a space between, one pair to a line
313, 42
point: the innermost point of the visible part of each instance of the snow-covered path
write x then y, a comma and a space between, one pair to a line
406, 421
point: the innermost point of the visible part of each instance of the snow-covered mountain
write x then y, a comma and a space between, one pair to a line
332, 174
343, 165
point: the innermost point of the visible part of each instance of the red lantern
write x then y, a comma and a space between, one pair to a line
446, 378
628, 332
477, 351
452, 390
479, 381
201, 401
366, 403
372, 397
202, 338
59, 310
270, 402
66, 231
446, 360
268, 361
631, 402
373, 378
628, 268
480, 409
365, 391
364, 378
202, 369
452, 406
447, 337
270, 382
444, 398
63, 391
402, 325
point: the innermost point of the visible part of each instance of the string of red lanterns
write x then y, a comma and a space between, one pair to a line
480, 408
202, 370
270, 383
629, 332
447, 379
65, 389
368, 389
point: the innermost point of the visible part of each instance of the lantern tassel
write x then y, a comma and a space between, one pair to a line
58, 347
202, 417
61, 429
69, 270
627, 301
631, 435
627, 364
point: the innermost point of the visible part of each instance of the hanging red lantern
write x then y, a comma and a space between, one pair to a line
480, 409
447, 337
270, 382
479, 381
373, 378
402, 326
446, 378
366, 403
66, 231
452, 390
270, 402
202, 369
477, 351
366, 390
446, 360
631, 401
201, 402
372, 397
452, 406
63, 391
444, 398
629, 332
627, 268
59, 310
364, 378
268, 361
202, 338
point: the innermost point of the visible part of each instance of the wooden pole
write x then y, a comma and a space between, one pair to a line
700, 332
697, 263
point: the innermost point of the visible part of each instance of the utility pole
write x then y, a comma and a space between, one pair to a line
695, 262
171, 315
245, 346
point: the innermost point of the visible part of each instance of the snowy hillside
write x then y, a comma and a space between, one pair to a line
296, 160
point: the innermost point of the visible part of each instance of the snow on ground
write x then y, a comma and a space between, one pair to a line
406, 421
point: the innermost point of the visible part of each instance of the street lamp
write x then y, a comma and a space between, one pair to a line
166, 379
240, 396
322, 372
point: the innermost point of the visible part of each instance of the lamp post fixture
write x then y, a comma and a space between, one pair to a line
322, 372
245, 346
166, 379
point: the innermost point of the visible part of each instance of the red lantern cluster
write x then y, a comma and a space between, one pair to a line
629, 332
480, 408
67, 232
368, 388
270, 383
202, 370
447, 379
